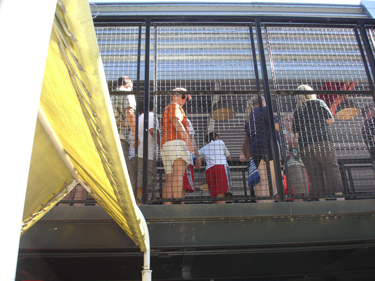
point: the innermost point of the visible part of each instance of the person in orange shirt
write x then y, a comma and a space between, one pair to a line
176, 145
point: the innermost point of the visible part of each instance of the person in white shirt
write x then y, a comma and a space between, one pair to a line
216, 155
151, 151
124, 107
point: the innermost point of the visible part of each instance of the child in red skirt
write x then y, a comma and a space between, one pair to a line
216, 155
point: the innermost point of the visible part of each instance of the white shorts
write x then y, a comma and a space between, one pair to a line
171, 151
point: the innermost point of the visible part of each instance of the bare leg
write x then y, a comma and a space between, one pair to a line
221, 195
262, 189
179, 166
139, 195
167, 189
273, 178
173, 187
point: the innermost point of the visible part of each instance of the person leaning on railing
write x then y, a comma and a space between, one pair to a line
310, 121
176, 145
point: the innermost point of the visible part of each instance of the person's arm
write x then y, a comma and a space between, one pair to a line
277, 127
200, 155
276, 121
226, 151
191, 131
295, 124
184, 135
130, 119
245, 150
327, 113
247, 129
295, 142
151, 131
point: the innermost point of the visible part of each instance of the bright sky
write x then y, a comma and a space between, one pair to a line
350, 2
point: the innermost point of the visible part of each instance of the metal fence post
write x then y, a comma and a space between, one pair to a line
274, 145
145, 109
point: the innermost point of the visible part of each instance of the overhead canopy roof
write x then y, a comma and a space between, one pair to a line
221, 8
76, 139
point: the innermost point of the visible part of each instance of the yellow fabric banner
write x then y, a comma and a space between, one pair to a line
76, 104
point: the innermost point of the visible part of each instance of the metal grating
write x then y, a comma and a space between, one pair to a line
314, 56
119, 51
353, 158
216, 63
231, 132
195, 57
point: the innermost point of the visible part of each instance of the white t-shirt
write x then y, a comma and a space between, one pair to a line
215, 153
150, 138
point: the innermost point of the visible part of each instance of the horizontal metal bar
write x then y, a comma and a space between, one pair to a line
367, 93
208, 225
233, 19
253, 92
117, 22
122, 93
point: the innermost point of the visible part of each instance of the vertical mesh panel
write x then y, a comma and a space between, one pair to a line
231, 132
209, 59
119, 50
215, 65
315, 56
196, 57
326, 59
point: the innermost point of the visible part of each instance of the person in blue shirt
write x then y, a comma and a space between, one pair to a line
257, 127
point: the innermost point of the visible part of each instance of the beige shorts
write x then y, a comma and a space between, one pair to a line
171, 151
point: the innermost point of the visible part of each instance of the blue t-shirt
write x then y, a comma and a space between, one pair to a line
258, 129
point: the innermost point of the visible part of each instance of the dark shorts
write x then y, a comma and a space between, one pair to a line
260, 152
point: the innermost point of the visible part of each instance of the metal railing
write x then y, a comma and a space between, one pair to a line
229, 59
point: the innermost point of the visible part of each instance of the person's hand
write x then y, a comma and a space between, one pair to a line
198, 163
243, 158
